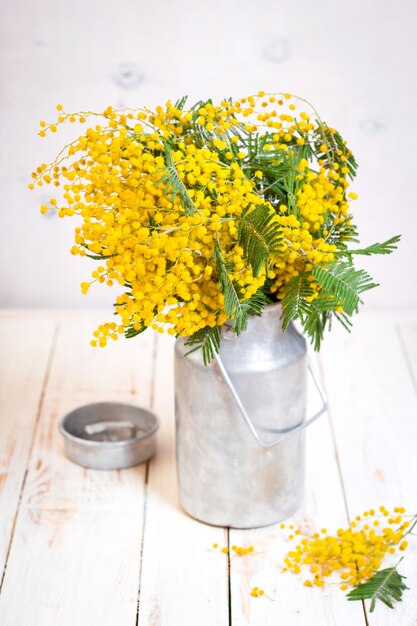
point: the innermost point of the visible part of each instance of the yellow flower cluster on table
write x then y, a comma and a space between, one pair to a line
257, 593
352, 555
156, 191
238, 550
348, 559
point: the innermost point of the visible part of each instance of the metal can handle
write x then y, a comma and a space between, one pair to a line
282, 434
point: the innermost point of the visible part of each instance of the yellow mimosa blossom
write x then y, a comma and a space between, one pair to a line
183, 209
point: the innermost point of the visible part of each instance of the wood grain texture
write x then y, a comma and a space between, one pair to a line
287, 599
183, 580
374, 414
75, 557
105, 548
26, 349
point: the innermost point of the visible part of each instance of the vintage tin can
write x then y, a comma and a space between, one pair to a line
240, 425
109, 435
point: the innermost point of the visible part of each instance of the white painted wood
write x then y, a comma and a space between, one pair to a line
288, 601
183, 581
76, 551
374, 412
25, 348
75, 557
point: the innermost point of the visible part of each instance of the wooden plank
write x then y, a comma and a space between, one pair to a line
183, 580
374, 411
75, 527
288, 601
21, 384
75, 558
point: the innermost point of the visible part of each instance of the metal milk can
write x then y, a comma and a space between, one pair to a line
240, 425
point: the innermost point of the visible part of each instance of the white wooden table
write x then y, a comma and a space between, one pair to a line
89, 548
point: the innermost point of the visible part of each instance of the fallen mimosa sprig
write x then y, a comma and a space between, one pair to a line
352, 557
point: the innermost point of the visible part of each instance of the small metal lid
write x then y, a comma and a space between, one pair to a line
109, 435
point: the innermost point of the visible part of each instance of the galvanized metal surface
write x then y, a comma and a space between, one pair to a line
109, 435
280, 434
226, 477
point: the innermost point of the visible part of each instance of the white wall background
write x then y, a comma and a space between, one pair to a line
354, 60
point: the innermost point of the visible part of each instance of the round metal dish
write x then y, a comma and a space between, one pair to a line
109, 435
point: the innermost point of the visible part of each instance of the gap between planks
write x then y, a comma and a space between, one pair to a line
372, 393
79, 374
31, 446
147, 473
338, 464
406, 356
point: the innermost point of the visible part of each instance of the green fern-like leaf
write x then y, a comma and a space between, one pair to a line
341, 234
344, 320
207, 340
232, 304
237, 308
173, 183
180, 103
294, 305
385, 585
377, 248
256, 303
252, 306
337, 146
96, 257
131, 331
314, 316
152, 223
315, 324
258, 235
344, 282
